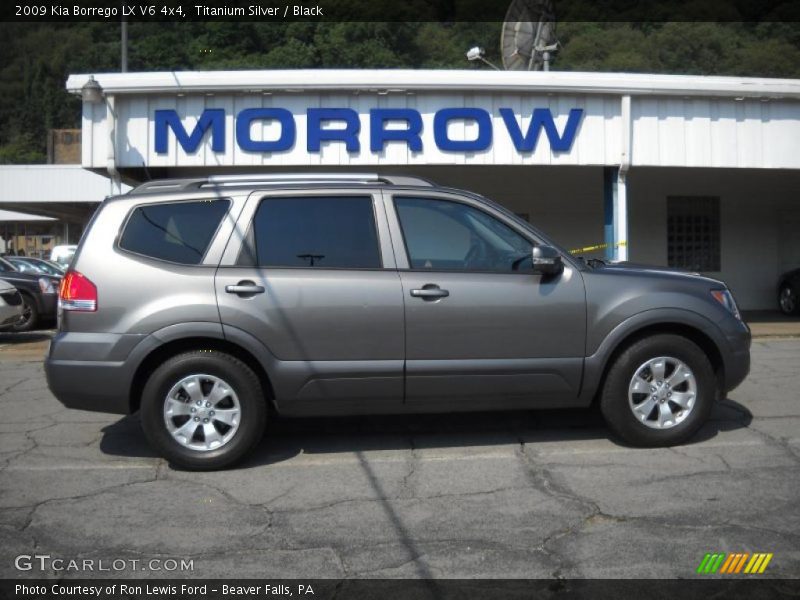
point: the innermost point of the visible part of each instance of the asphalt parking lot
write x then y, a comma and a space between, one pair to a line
519, 494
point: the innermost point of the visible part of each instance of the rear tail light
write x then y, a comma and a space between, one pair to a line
77, 293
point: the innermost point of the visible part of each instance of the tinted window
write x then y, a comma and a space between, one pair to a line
178, 232
334, 232
442, 235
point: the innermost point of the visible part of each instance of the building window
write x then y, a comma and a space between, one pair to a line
693, 239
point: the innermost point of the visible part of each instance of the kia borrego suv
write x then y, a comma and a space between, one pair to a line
209, 304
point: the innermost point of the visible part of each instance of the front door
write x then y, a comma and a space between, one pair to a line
311, 283
482, 330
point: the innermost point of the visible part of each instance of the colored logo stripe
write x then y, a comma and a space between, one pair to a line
758, 563
734, 562
727, 564
711, 563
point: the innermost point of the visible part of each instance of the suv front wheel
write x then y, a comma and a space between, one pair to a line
659, 391
203, 410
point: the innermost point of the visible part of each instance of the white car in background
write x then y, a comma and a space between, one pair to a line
62, 254
10, 305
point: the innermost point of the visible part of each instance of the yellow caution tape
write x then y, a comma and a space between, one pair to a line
598, 247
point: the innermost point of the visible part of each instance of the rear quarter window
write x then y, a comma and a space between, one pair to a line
178, 232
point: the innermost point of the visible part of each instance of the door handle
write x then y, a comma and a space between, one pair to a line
430, 291
244, 288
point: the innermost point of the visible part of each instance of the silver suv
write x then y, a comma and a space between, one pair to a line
210, 304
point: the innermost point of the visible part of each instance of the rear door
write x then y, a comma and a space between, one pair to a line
482, 330
314, 280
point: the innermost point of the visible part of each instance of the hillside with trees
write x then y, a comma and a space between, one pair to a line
38, 57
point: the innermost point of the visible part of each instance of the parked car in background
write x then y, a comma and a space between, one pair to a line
39, 294
789, 293
30, 264
62, 254
208, 303
10, 305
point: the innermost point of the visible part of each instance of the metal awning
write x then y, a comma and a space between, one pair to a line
11, 215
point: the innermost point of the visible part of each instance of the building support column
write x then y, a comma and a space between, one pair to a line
111, 161
615, 193
609, 192
621, 218
615, 213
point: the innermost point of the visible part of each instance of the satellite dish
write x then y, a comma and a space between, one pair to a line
529, 35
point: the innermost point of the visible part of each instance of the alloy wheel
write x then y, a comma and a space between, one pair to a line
202, 412
662, 392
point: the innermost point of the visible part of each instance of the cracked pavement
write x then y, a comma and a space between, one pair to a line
520, 494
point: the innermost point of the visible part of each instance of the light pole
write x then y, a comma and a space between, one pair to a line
123, 50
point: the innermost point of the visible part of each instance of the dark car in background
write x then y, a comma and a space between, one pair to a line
789, 293
30, 264
39, 295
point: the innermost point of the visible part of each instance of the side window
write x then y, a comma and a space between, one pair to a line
444, 235
178, 232
321, 232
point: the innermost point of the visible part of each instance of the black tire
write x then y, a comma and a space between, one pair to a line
789, 306
30, 314
243, 381
614, 402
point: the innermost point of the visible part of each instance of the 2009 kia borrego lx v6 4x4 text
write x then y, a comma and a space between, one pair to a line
208, 303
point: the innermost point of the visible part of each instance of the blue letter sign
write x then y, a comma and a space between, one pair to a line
379, 135
348, 135
211, 117
248, 115
411, 135
542, 118
480, 116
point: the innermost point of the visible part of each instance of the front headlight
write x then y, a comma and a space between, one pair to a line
46, 285
725, 298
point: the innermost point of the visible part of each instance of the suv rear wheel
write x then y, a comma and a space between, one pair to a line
203, 410
659, 391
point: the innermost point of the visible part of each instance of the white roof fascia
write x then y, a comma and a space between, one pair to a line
404, 80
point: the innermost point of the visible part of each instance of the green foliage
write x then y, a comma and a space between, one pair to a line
38, 57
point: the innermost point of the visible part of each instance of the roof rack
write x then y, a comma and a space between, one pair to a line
193, 183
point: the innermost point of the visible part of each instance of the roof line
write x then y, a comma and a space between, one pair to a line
388, 81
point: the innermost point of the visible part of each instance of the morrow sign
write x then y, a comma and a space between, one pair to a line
344, 125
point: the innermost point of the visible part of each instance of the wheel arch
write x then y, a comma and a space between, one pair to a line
171, 348
597, 366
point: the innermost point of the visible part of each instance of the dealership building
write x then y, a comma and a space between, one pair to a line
701, 173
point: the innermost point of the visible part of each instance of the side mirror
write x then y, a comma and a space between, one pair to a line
547, 261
